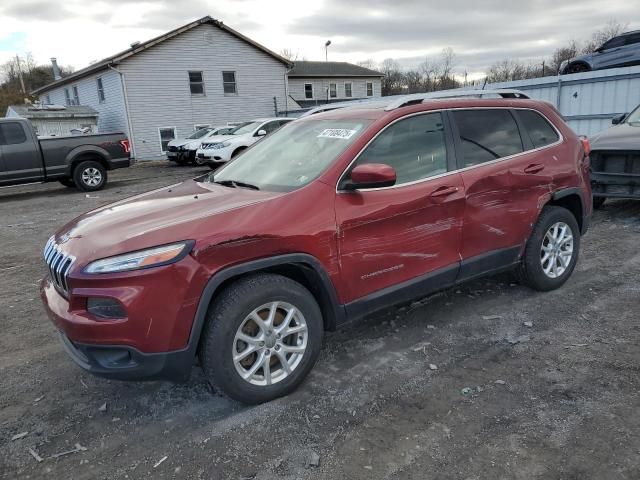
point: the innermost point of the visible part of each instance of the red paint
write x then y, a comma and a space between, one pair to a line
366, 240
373, 174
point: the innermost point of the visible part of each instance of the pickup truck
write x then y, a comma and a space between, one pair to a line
77, 161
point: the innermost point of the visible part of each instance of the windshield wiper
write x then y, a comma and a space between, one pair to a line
236, 183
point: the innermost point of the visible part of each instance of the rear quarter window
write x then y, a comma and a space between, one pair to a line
540, 131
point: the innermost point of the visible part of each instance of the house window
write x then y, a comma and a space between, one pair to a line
348, 87
369, 89
333, 90
308, 90
166, 135
76, 97
47, 100
100, 90
67, 97
229, 83
196, 83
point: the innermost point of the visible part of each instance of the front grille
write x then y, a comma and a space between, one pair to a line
172, 149
59, 264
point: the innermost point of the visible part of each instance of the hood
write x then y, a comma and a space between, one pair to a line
219, 138
179, 142
178, 212
618, 137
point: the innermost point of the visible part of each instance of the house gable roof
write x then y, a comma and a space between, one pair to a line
331, 69
140, 47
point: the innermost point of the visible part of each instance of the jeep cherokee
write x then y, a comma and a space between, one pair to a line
328, 219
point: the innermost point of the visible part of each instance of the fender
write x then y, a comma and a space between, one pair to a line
565, 192
337, 310
82, 149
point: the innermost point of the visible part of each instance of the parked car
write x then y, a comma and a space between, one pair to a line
328, 219
615, 159
79, 161
620, 51
183, 150
226, 147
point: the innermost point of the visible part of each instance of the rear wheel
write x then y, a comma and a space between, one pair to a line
598, 202
578, 68
263, 335
552, 250
89, 176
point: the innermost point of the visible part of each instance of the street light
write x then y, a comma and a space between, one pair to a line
326, 46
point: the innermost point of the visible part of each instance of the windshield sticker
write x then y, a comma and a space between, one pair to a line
336, 133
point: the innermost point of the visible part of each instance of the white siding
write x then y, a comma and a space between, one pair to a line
112, 116
158, 92
320, 86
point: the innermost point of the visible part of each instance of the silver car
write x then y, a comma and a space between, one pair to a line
620, 51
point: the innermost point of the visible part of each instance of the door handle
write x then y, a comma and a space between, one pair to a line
443, 191
534, 168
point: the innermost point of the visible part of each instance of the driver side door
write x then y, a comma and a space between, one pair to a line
399, 241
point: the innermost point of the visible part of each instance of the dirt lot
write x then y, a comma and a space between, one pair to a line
566, 407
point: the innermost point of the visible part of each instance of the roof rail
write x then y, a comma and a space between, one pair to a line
417, 98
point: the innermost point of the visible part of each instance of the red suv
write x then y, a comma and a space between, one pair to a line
332, 217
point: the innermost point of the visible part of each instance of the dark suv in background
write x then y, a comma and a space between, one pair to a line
329, 218
620, 51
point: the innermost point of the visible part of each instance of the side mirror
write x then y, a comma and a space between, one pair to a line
619, 119
372, 175
261, 133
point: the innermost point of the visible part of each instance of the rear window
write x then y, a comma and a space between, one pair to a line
486, 135
539, 129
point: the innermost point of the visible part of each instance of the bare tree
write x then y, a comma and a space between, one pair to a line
613, 28
289, 54
368, 63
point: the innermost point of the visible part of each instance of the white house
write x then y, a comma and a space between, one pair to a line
57, 120
203, 73
317, 83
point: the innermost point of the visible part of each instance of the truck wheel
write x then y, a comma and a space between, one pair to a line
552, 250
598, 202
67, 182
262, 337
89, 176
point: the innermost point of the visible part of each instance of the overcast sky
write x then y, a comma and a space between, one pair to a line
78, 32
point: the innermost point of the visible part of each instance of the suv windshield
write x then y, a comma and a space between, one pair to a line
199, 133
634, 117
246, 127
292, 156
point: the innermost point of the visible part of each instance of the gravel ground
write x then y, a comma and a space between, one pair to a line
454, 386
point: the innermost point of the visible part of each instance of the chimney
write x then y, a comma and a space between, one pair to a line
55, 68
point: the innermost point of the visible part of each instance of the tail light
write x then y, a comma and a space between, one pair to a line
126, 146
585, 145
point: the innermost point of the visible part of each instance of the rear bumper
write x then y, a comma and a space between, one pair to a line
120, 362
121, 163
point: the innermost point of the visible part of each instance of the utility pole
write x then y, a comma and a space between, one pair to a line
24, 90
326, 47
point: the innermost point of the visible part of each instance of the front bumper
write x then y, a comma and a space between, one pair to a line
211, 155
120, 362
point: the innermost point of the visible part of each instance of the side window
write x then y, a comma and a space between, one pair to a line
415, 147
270, 127
12, 133
632, 39
486, 135
613, 43
540, 131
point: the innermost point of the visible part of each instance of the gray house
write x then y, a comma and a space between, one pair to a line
203, 73
57, 120
316, 83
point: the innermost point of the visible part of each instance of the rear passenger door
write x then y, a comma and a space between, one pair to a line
499, 210
21, 160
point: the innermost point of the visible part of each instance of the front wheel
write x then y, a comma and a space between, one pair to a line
89, 176
262, 337
552, 250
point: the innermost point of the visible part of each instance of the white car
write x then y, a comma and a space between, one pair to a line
183, 150
223, 148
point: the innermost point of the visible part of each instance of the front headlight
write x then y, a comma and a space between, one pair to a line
152, 257
218, 146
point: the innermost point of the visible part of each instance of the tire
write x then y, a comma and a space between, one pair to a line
182, 160
238, 151
215, 165
230, 316
532, 269
578, 68
89, 176
68, 182
598, 202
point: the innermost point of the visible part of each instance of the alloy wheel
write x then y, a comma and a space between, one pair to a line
91, 177
270, 343
556, 251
